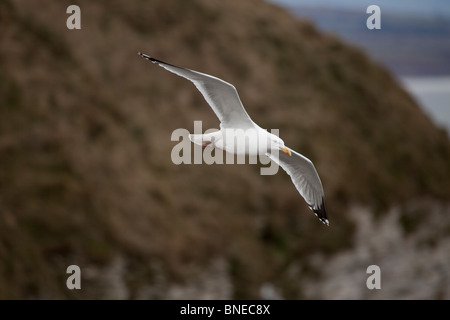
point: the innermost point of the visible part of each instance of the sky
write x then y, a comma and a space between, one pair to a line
419, 7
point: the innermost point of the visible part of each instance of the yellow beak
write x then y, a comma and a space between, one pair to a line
286, 150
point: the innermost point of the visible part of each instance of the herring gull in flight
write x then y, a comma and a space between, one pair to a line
234, 120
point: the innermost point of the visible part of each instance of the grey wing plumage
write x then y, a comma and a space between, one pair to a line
220, 95
306, 180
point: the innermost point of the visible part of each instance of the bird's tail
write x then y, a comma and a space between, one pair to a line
197, 139
205, 140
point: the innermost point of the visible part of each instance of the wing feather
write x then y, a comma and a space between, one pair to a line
306, 180
220, 95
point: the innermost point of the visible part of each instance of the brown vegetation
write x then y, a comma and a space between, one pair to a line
85, 126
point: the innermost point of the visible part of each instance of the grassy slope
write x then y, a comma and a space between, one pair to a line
85, 171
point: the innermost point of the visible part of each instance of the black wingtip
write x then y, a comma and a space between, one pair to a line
159, 62
321, 213
146, 56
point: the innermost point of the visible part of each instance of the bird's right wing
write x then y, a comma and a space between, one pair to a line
306, 180
220, 95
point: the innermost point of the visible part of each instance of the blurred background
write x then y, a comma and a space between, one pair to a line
413, 42
86, 176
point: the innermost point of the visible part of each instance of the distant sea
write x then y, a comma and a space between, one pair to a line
406, 7
433, 94
419, 31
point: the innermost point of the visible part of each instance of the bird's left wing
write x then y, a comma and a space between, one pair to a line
306, 180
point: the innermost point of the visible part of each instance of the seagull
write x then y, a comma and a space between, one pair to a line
236, 123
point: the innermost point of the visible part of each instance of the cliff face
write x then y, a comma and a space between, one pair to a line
86, 176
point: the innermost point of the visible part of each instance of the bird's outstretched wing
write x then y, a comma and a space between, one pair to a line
220, 95
306, 180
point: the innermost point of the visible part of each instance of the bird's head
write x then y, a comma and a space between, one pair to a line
276, 143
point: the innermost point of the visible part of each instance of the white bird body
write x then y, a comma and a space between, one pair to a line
240, 135
253, 141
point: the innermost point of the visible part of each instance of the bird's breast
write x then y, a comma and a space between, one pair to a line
240, 141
